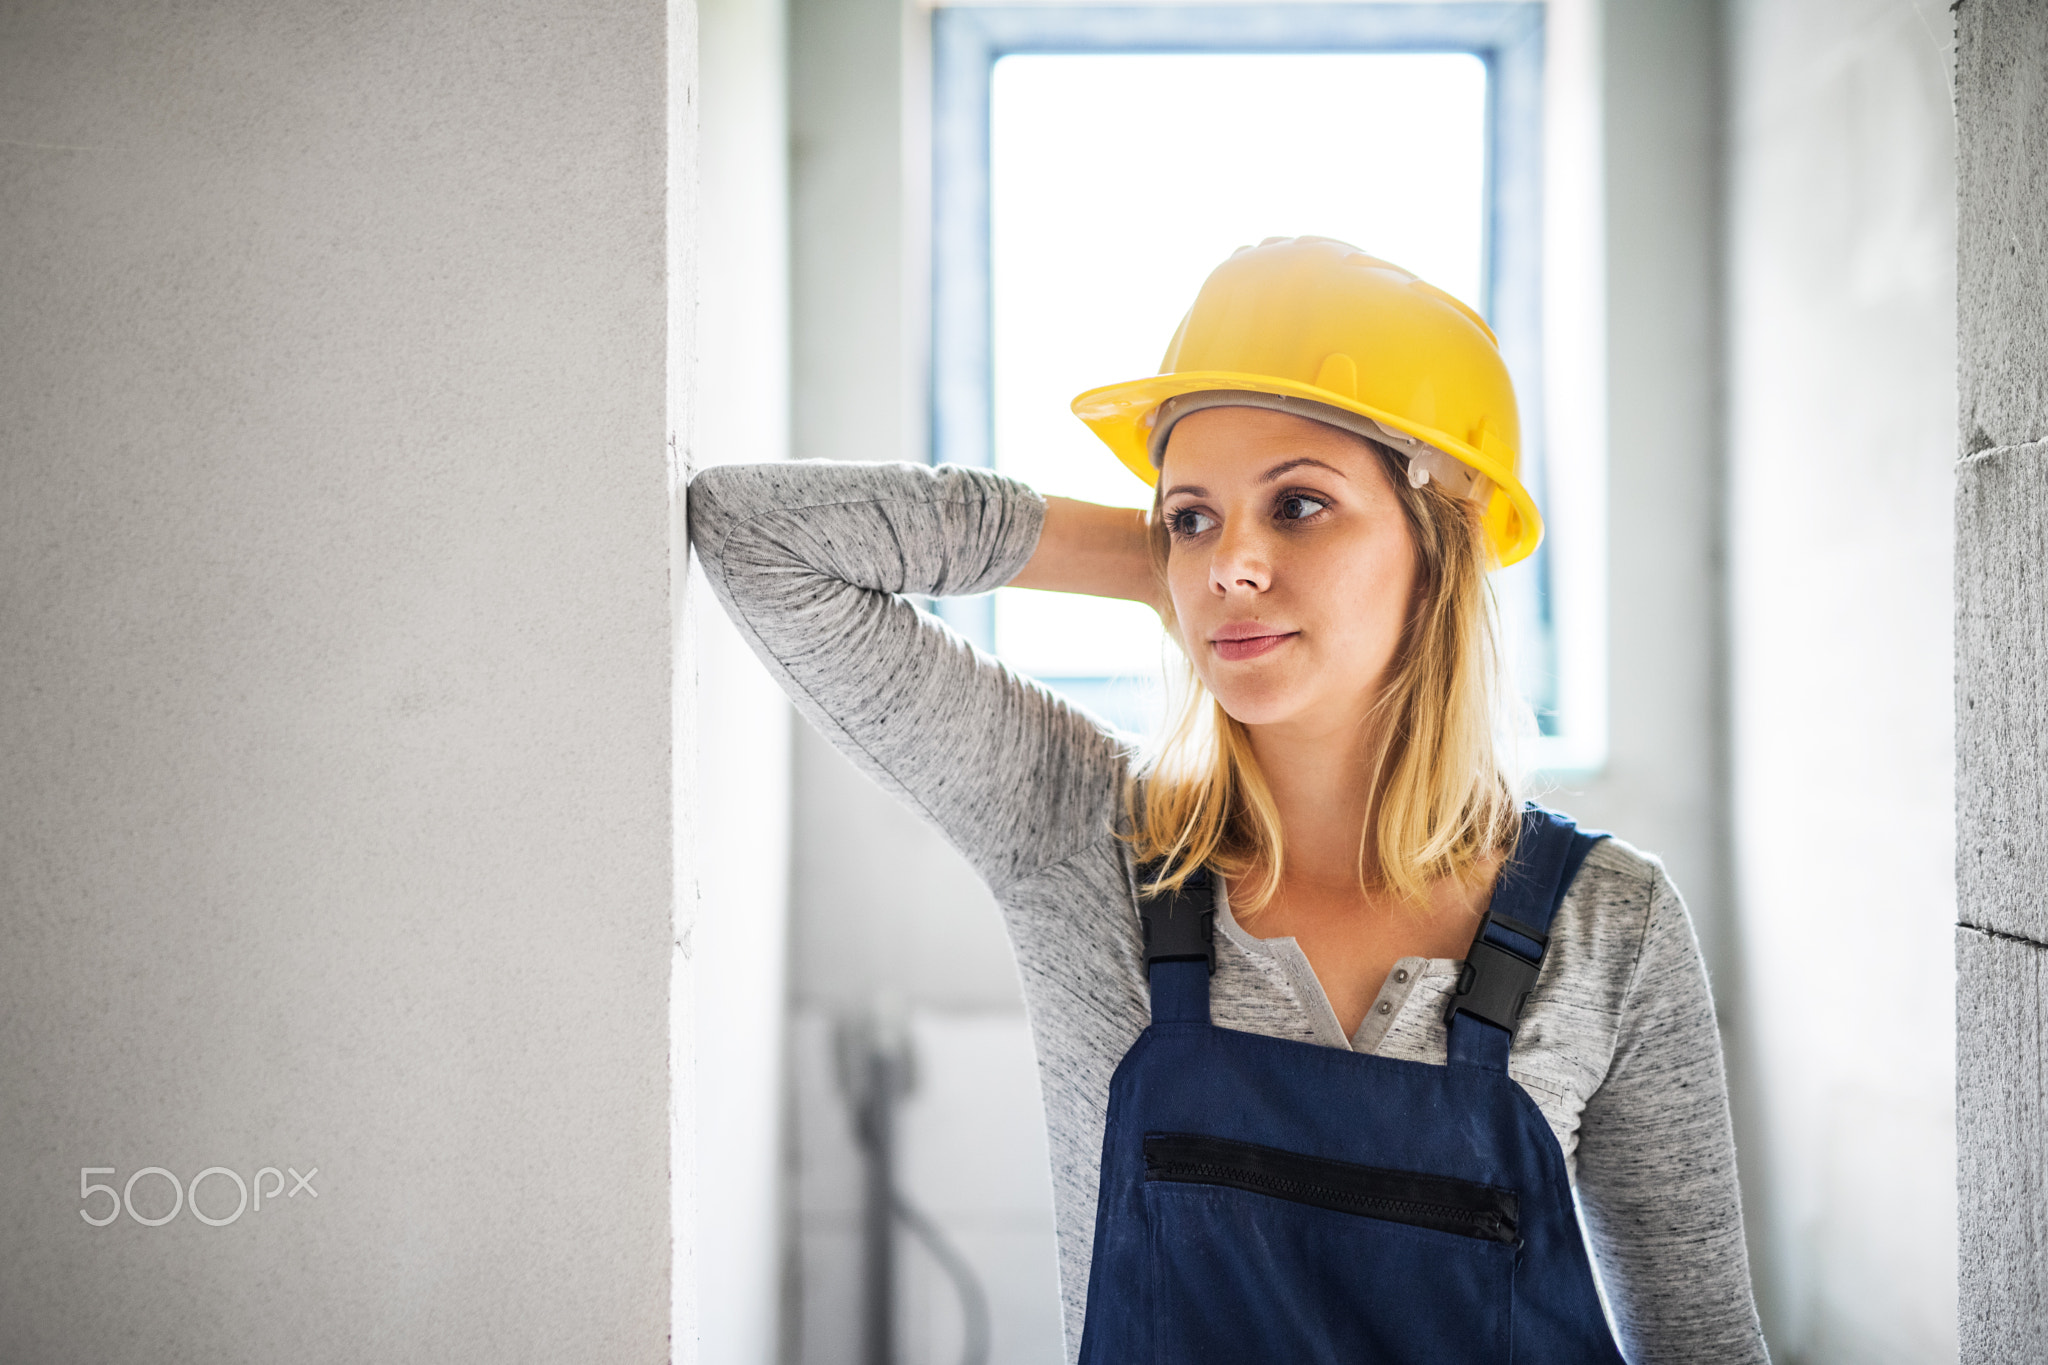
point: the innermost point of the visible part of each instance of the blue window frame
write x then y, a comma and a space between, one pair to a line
1507, 38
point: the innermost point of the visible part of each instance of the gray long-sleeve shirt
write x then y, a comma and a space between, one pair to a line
815, 561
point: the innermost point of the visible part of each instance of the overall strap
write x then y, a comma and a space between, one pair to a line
1507, 952
1179, 929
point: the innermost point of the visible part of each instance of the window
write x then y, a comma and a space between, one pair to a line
1093, 164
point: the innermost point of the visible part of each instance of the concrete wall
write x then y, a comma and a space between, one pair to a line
739, 945
1840, 319
336, 648
2001, 586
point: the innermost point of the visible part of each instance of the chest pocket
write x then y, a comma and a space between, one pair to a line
1260, 1254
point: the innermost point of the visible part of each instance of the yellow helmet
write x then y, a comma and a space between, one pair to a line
1316, 326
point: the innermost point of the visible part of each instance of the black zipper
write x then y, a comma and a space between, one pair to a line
1463, 1207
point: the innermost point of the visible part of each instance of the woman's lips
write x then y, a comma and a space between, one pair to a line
1237, 647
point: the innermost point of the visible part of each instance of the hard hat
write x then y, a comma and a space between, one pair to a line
1316, 326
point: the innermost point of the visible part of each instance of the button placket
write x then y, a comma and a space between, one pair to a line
1401, 983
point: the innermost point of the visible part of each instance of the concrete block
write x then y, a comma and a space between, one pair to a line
2002, 1148
2001, 233
2002, 691
339, 780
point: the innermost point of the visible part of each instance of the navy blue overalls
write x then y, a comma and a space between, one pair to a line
1268, 1200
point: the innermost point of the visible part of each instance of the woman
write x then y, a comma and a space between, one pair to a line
1320, 894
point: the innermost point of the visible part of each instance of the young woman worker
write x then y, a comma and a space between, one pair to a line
1330, 1026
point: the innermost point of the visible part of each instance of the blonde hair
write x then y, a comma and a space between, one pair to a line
1441, 798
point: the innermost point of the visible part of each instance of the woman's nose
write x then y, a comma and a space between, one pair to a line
1241, 562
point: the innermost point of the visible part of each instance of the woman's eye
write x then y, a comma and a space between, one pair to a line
1300, 506
1189, 522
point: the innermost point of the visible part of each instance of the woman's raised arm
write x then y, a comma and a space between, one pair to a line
1100, 551
816, 562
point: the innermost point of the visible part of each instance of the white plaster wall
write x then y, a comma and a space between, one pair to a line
880, 903
1663, 784
336, 649
881, 908
739, 944
1841, 434
972, 1157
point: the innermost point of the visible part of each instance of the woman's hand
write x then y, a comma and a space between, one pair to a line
1099, 551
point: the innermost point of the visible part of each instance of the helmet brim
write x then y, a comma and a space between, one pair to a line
1120, 414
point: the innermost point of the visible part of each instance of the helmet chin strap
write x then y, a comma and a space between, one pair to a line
1425, 462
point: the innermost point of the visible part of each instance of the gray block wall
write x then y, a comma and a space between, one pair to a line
2002, 679
337, 664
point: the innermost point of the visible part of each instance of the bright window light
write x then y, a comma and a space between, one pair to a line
1118, 181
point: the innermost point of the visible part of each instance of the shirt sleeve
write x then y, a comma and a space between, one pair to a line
816, 562
1656, 1165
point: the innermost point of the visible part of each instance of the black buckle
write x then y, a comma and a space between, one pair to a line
1180, 925
1495, 982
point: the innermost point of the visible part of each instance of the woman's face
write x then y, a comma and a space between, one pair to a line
1291, 565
